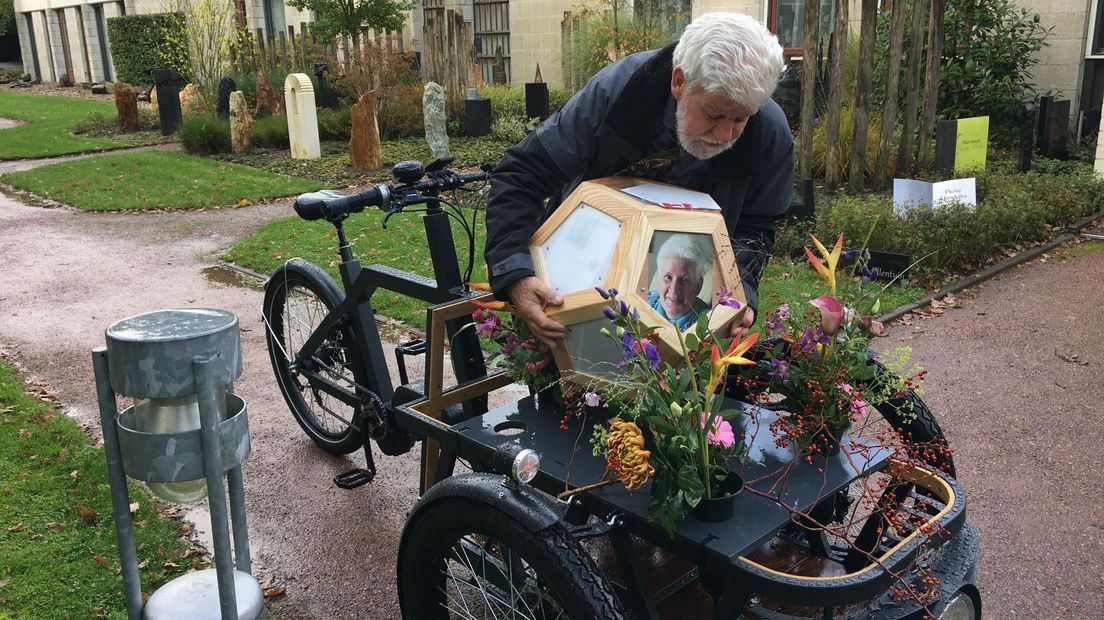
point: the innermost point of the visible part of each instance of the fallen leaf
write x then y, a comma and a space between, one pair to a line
273, 592
74, 475
134, 507
37, 537
170, 566
18, 527
63, 456
99, 559
61, 527
24, 433
186, 528
143, 564
88, 514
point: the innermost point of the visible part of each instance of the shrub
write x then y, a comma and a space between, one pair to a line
98, 124
335, 124
137, 45
204, 134
401, 115
988, 51
271, 132
1012, 210
597, 38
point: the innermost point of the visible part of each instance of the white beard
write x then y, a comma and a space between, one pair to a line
700, 147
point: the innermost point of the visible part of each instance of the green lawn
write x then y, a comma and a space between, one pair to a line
58, 553
154, 180
48, 121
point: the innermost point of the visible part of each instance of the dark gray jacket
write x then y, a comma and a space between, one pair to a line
623, 114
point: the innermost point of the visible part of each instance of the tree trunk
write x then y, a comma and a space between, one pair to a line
867, 34
905, 159
931, 86
889, 109
835, 95
808, 85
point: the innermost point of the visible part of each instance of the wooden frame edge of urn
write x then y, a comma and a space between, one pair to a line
632, 257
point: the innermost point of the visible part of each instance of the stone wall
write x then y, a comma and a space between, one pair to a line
1060, 62
536, 37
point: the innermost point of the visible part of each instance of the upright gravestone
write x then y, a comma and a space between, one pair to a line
536, 97
268, 100
1055, 135
498, 71
364, 144
436, 121
477, 115
226, 86
126, 104
241, 122
167, 88
302, 117
189, 99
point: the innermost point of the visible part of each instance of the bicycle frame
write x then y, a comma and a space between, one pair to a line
361, 283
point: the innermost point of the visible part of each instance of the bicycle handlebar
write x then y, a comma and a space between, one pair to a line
332, 206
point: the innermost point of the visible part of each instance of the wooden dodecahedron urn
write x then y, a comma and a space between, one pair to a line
665, 249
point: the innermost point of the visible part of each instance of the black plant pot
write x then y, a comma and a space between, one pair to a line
720, 507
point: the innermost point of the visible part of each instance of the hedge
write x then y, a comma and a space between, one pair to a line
137, 42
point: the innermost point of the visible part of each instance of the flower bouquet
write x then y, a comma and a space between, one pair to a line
816, 367
524, 358
671, 427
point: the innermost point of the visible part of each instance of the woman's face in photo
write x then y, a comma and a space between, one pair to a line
678, 286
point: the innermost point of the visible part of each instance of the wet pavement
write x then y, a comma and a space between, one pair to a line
1014, 378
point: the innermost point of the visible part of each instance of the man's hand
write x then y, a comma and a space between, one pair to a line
740, 327
530, 296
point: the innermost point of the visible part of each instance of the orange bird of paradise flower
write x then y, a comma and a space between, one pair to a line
828, 272
734, 356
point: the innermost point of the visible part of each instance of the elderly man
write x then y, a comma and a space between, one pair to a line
696, 114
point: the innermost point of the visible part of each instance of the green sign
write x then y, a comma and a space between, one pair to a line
970, 145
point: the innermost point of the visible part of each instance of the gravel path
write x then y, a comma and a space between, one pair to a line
1014, 378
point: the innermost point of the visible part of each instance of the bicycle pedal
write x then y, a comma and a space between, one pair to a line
354, 478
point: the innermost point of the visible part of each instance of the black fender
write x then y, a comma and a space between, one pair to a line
524, 504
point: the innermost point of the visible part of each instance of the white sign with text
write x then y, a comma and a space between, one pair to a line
909, 192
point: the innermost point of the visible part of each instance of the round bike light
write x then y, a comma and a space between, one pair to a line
961, 607
525, 467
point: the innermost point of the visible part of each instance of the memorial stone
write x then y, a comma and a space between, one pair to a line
364, 144
268, 100
154, 105
436, 121
189, 98
165, 93
126, 104
241, 122
1055, 135
225, 86
302, 117
536, 97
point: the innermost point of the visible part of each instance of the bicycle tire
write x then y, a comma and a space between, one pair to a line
435, 561
298, 296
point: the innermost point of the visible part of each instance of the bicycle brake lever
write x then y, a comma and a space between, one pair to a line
388, 215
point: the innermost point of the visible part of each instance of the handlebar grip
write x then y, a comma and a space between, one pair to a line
330, 205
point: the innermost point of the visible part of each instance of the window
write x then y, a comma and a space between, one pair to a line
787, 21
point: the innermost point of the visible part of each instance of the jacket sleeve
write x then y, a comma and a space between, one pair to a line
555, 155
766, 202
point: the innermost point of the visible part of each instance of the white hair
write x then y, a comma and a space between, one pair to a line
733, 55
696, 248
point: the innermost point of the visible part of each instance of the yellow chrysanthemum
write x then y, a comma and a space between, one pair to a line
627, 456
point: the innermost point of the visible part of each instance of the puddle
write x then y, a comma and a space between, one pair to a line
223, 276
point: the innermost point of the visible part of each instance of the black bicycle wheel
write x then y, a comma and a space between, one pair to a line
297, 297
464, 559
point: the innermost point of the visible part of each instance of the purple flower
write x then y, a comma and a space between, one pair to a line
780, 369
725, 298
606, 310
628, 350
490, 326
592, 399
652, 354
622, 308
603, 292
811, 338
512, 343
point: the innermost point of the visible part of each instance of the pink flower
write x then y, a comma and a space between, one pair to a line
722, 434
592, 399
831, 313
858, 406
